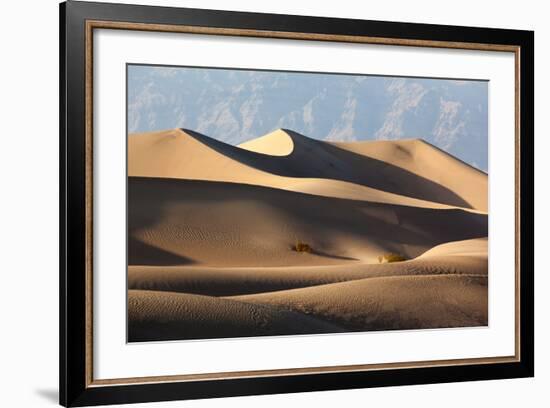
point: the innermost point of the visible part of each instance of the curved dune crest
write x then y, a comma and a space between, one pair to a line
276, 143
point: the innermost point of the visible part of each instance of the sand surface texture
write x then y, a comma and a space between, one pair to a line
212, 230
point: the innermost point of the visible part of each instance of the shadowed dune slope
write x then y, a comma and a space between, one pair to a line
287, 160
229, 224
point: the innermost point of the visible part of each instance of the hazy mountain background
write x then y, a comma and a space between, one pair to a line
234, 106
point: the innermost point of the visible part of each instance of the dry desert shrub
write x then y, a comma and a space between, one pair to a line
301, 247
387, 258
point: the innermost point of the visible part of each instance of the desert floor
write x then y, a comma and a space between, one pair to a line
211, 231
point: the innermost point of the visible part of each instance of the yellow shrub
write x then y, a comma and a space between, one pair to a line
386, 258
302, 247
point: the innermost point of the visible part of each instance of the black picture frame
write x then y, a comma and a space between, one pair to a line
77, 387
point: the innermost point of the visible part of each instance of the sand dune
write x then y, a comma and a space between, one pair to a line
229, 224
325, 167
397, 162
211, 229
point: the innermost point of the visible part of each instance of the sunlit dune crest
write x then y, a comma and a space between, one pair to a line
276, 143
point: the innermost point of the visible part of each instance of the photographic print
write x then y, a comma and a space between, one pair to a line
236, 182
265, 203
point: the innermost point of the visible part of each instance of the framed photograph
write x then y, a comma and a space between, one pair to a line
256, 203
